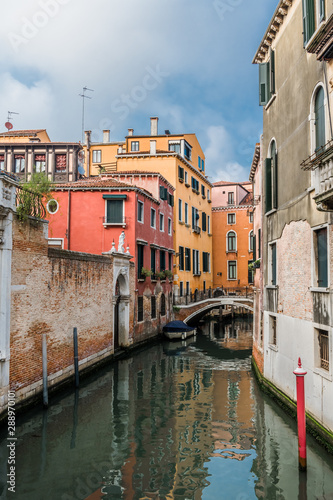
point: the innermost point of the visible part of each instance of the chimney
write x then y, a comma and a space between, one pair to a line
106, 135
154, 126
153, 147
87, 135
130, 131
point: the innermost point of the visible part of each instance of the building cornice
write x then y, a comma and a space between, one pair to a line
255, 161
273, 28
231, 208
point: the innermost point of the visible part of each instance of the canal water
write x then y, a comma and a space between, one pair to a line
182, 420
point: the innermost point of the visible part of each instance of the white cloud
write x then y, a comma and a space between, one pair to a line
220, 156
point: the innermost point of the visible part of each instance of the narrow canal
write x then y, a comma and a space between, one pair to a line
178, 421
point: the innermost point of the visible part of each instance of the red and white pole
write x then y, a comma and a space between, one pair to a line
300, 373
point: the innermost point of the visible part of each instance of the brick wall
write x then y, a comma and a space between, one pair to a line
54, 291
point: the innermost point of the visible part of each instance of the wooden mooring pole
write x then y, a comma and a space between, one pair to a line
76, 357
301, 423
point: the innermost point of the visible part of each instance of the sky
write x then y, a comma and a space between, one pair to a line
189, 62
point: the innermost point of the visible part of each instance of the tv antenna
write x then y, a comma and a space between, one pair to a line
84, 96
8, 124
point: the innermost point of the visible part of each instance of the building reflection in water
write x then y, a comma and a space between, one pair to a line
176, 421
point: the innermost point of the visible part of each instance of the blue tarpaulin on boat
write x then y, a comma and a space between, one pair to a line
177, 326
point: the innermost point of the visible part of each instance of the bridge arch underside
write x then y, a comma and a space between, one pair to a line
200, 313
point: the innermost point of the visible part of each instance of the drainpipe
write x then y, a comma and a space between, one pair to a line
69, 220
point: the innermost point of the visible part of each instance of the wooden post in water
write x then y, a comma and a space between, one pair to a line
76, 357
44, 357
301, 425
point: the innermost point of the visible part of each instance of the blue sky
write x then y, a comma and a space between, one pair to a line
189, 62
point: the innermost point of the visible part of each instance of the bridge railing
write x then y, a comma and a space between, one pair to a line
198, 296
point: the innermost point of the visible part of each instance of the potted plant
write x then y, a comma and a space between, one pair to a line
145, 272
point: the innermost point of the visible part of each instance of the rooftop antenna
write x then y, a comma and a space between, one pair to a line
8, 124
84, 96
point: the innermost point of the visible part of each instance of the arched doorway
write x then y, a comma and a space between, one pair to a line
121, 301
116, 317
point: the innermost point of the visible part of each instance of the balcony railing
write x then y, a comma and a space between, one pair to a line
29, 204
321, 162
196, 229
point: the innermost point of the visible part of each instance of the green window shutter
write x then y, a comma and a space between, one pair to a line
259, 243
322, 10
268, 184
152, 260
254, 247
204, 221
308, 20
114, 212
322, 257
274, 264
264, 84
275, 180
272, 72
163, 193
320, 119
140, 259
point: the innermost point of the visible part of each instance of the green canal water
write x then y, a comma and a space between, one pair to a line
182, 420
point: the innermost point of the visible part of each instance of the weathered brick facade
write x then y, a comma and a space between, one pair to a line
54, 291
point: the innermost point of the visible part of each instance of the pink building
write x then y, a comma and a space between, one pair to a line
90, 215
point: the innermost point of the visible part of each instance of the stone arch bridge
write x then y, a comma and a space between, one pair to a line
192, 313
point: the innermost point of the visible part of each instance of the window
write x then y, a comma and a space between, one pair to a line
250, 273
319, 123
231, 218
140, 211
140, 260
203, 191
272, 330
202, 164
196, 263
208, 224
153, 218
115, 211
163, 193
232, 270
231, 241
187, 288
153, 307
135, 146
97, 156
204, 221
186, 177
322, 349
194, 184
171, 199
181, 258
308, 20
140, 308
174, 146
170, 261
272, 264
271, 179
251, 241
259, 243
40, 163
186, 213
162, 260
320, 250
180, 210
180, 173
199, 163
267, 79
19, 163
161, 222
60, 163
52, 206
181, 288
208, 194
169, 226
251, 217
206, 262
187, 151
195, 218
162, 304
2, 162
153, 261
187, 259
231, 198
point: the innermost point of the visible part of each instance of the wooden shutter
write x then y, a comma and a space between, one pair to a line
114, 211
274, 264
264, 78
275, 180
152, 260
204, 221
322, 257
268, 184
254, 251
320, 119
272, 72
308, 20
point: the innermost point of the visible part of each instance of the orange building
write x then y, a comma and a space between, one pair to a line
232, 223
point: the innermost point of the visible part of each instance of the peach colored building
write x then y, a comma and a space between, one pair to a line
232, 223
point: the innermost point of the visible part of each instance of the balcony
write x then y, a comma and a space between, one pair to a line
321, 43
321, 163
196, 229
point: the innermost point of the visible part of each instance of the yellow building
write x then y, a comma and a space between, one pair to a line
180, 159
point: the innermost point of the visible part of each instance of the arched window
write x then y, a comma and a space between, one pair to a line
162, 304
271, 178
319, 110
231, 241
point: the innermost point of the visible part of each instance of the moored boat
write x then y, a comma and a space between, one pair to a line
178, 330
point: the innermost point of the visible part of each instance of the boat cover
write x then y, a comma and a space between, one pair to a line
177, 326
